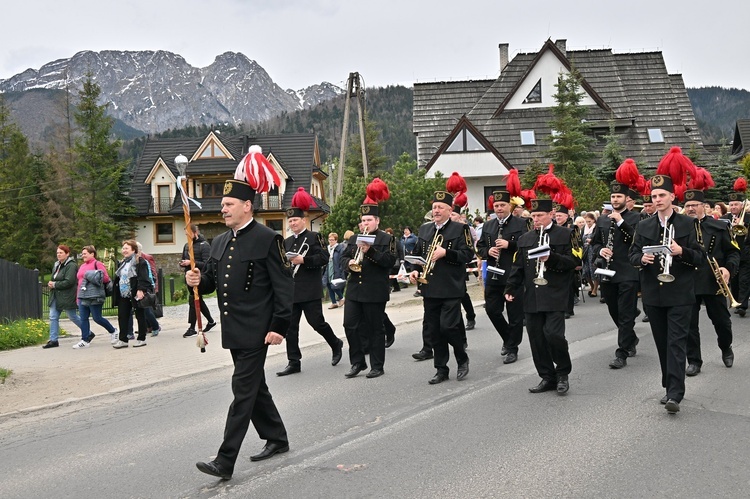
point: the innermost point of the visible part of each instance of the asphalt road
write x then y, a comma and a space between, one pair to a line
397, 436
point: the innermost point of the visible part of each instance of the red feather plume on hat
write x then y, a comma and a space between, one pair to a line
455, 184
302, 200
740, 185
513, 183
678, 167
255, 169
646, 188
564, 197
548, 183
528, 195
460, 200
702, 180
377, 191
491, 203
641, 185
627, 173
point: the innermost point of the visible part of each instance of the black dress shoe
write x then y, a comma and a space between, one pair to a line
544, 386
618, 363
632, 352
742, 312
510, 358
663, 400
692, 370
51, 344
672, 406
289, 369
337, 352
270, 450
645, 318
374, 373
439, 377
422, 355
215, 469
568, 315
209, 326
601, 300
389, 339
470, 325
728, 357
190, 332
355, 370
504, 351
562, 385
463, 370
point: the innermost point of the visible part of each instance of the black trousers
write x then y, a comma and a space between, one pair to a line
125, 307
511, 331
670, 326
363, 324
622, 302
549, 348
389, 327
314, 316
716, 308
442, 318
252, 402
740, 283
468, 307
191, 309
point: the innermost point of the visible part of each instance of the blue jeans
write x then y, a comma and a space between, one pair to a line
332, 293
95, 311
54, 319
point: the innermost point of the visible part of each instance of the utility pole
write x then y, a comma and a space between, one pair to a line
354, 88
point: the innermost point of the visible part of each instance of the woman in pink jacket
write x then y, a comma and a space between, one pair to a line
91, 296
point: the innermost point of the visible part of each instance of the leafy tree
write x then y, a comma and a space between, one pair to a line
102, 207
745, 165
612, 156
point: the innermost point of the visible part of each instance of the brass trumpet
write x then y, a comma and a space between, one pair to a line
666, 240
723, 286
429, 264
355, 264
738, 223
539, 280
302, 251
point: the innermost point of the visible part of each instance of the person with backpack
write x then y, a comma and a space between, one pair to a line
153, 325
132, 284
92, 280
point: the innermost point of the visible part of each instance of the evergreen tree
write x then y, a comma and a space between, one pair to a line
376, 161
724, 174
612, 156
101, 203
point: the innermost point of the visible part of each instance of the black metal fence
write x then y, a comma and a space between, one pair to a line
19, 292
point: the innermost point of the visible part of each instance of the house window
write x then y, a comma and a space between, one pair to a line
528, 138
212, 151
212, 190
163, 201
655, 135
273, 200
164, 233
276, 225
535, 96
465, 141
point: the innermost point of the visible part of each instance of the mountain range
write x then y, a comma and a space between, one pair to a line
153, 91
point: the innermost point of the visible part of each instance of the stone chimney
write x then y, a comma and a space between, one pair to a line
560, 44
503, 56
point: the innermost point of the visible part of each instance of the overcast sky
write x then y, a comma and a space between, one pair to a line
300, 43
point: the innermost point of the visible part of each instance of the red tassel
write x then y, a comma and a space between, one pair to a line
676, 166
627, 173
679, 192
528, 195
455, 184
641, 184
377, 191
740, 185
548, 182
255, 169
513, 183
460, 200
302, 200
491, 203
702, 180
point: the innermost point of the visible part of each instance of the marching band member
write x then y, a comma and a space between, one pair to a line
368, 286
737, 207
544, 284
311, 256
718, 243
497, 246
667, 280
447, 247
611, 242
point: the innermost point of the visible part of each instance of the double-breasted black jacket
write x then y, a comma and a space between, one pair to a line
512, 230
253, 282
372, 284
448, 276
622, 239
718, 243
565, 256
681, 291
308, 285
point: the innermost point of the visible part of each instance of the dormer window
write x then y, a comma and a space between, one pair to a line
212, 150
535, 96
465, 141
655, 135
528, 138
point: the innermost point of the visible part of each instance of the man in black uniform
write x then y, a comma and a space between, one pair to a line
497, 247
718, 243
563, 219
447, 247
611, 242
545, 285
668, 301
311, 256
367, 291
648, 207
253, 279
741, 280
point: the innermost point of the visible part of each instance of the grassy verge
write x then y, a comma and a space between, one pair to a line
24, 333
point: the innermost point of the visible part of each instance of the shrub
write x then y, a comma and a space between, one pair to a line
24, 333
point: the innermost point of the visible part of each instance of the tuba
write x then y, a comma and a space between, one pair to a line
355, 264
303, 249
429, 264
666, 240
539, 280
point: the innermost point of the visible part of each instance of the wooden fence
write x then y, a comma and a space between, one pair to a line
19, 292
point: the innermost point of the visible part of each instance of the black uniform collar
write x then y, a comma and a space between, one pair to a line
245, 228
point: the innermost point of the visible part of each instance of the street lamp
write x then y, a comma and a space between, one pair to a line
181, 163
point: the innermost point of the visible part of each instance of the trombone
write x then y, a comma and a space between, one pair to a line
429, 264
302, 251
666, 240
539, 280
355, 264
723, 286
